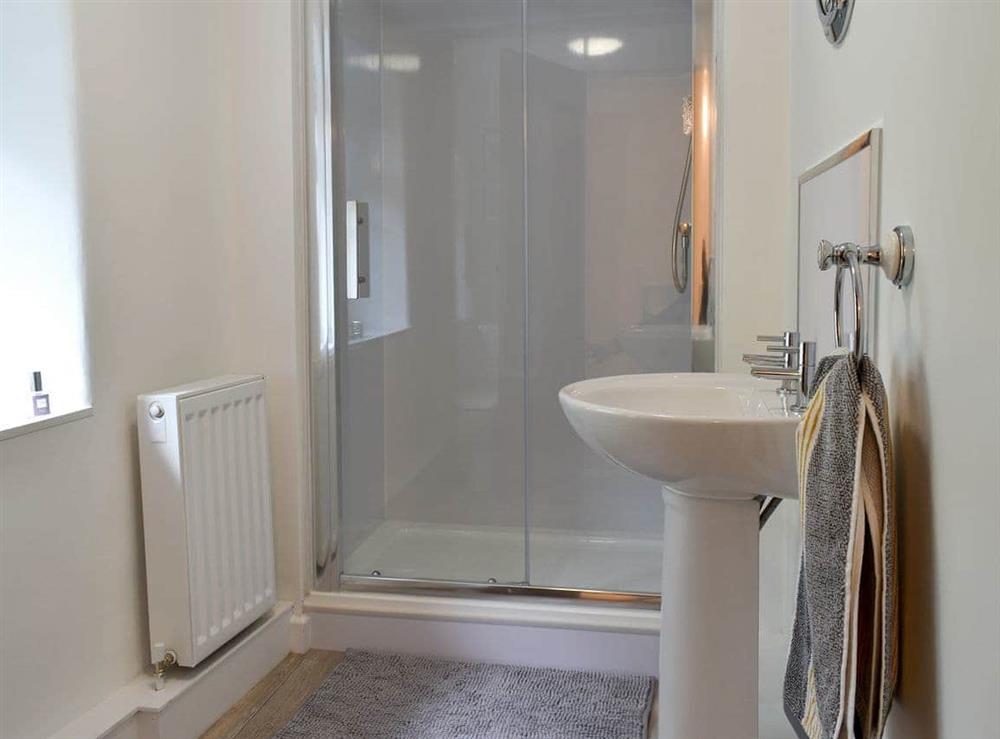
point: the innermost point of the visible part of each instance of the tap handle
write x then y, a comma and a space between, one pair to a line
764, 359
786, 339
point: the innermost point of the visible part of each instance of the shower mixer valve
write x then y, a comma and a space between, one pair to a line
789, 360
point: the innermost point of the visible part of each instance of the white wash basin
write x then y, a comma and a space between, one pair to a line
702, 434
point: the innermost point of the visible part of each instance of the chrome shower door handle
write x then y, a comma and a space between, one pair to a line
358, 278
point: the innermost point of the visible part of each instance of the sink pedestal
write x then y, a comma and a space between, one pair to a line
708, 636
709, 439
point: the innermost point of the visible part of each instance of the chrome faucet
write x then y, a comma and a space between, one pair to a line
789, 360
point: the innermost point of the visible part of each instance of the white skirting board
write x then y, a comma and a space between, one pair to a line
194, 698
570, 636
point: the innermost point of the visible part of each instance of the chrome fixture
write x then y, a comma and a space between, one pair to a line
682, 231
789, 360
896, 259
163, 660
357, 222
835, 16
425, 586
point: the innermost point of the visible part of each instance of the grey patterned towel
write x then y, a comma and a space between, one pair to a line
841, 671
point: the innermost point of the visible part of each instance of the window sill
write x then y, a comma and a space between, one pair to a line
37, 424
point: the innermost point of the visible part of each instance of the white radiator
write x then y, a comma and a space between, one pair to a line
206, 511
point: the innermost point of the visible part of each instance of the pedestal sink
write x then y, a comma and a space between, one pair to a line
714, 441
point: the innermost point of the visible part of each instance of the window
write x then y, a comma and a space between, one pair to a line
43, 359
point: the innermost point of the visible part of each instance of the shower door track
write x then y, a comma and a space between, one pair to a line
423, 586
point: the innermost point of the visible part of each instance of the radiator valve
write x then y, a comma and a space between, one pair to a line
163, 659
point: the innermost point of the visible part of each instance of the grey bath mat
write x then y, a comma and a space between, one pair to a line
377, 696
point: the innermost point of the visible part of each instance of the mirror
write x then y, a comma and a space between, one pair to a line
838, 201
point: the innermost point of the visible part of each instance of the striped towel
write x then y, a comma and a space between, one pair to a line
841, 671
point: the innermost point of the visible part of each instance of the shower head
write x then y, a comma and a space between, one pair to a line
687, 114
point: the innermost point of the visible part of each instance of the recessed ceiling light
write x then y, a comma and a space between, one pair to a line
594, 45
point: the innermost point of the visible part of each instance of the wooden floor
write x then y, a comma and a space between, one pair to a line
275, 699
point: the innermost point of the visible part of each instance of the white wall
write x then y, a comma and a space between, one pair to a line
938, 343
756, 290
186, 133
267, 328
754, 212
927, 73
636, 151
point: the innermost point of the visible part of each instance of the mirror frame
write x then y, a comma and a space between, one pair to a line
870, 139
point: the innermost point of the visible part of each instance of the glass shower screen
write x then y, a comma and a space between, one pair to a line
506, 174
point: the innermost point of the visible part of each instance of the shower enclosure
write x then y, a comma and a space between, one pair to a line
494, 189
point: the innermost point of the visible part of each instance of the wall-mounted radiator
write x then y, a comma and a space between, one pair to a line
206, 510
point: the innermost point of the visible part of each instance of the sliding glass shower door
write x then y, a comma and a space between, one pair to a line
605, 85
506, 172
432, 400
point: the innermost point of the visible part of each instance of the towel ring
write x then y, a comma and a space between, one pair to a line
896, 260
858, 339
845, 257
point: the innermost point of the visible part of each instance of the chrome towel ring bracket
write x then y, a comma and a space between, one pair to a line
895, 257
